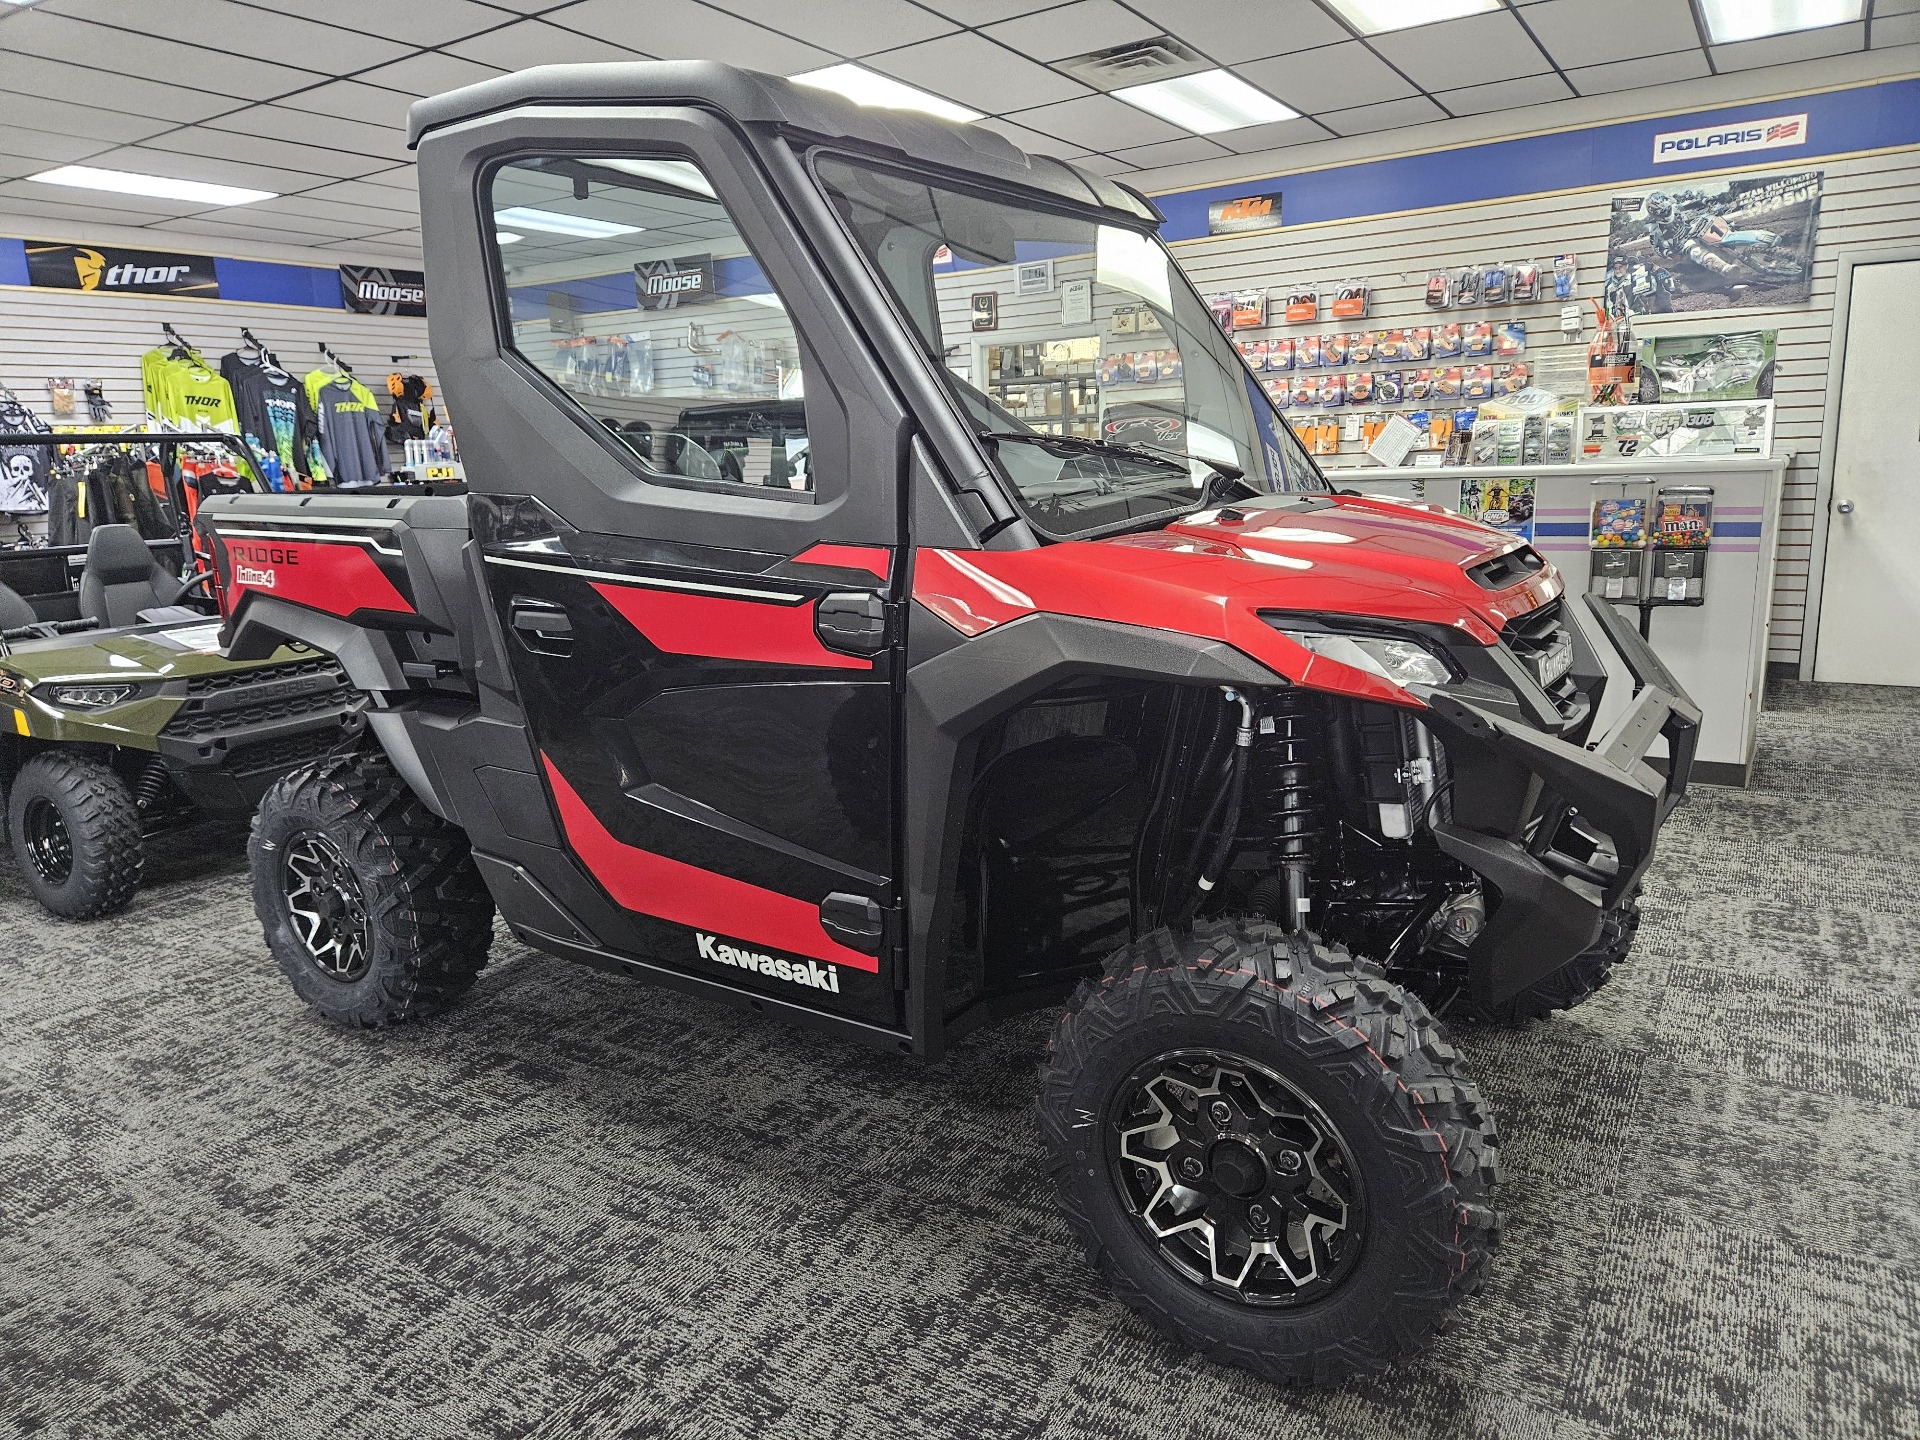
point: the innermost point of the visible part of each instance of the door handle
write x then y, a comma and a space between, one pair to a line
853, 622
542, 627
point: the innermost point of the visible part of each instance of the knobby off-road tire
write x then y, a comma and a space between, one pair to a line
1405, 1140
1575, 982
371, 903
75, 833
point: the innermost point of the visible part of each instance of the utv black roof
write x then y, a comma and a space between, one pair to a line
751, 98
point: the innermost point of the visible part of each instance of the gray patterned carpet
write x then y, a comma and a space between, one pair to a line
580, 1207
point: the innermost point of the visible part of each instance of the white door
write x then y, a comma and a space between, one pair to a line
1870, 599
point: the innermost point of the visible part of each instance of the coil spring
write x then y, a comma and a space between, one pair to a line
1285, 804
153, 780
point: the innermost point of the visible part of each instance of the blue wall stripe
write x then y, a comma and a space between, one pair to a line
13, 262
279, 284
1559, 527
1722, 529
1870, 117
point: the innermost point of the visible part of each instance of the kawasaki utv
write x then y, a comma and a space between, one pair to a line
121, 720
965, 715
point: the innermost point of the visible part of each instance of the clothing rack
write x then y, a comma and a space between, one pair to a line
327, 350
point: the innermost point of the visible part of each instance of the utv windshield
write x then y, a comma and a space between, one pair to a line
1090, 334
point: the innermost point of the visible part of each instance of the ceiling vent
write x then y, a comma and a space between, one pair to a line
1160, 58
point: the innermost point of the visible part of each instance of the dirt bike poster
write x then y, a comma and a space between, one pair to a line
1728, 366
1714, 245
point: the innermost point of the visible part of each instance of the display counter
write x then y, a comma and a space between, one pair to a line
1717, 647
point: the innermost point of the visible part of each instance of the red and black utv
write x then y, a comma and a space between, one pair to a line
913, 716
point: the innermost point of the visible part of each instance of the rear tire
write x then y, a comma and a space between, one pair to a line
75, 833
370, 903
1315, 1104
1575, 982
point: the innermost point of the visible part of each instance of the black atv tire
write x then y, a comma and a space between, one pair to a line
398, 927
1575, 982
75, 833
1411, 1139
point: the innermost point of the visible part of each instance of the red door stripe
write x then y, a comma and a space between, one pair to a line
687, 895
684, 624
875, 559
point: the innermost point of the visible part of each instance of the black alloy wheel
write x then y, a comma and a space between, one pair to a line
325, 906
1240, 1182
48, 845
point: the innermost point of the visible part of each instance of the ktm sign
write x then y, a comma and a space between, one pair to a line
1243, 214
123, 272
1780, 132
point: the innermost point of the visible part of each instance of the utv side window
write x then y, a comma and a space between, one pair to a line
629, 286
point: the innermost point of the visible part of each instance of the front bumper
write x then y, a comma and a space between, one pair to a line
1521, 795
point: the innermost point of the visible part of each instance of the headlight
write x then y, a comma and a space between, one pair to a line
89, 697
1404, 662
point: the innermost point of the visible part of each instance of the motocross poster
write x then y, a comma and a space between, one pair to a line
1714, 245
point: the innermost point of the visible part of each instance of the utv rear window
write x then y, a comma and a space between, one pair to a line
630, 288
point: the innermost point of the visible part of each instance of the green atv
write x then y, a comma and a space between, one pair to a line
121, 720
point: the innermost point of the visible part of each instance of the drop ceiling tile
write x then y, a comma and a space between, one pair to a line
1172, 152
1782, 49
281, 229
1505, 95
220, 230
245, 30
1389, 115
534, 42
1098, 122
429, 73
1891, 30
1472, 50
294, 210
529, 7
1634, 74
417, 22
283, 155
402, 178
1586, 32
362, 192
54, 80
82, 121
50, 220
985, 12
975, 71
1334, 77
1884, 8
49, 148
687, 30
1232, 30
1032, 141
1072, 30
1107, 165
846, 27
351, 100
180, 165
132, 209
54, 37
389, 142
1279, 134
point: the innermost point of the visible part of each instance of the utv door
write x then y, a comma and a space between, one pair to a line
685, 497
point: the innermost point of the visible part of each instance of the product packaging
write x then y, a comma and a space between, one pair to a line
1390, 345
1439, 290
1249, 309
1446, 340
1526, 283
1514, 378
1476, 382
1222, 308
1360, 347
1333, 349
1308, 352
1171, 366
1146, 365
1350, 302
1418, 383
1303, 307
1419, 343
1359, 387
1305, 391
1281, 392
1279, 354
1332, 389
1466, 286
1476, 337
1446, 382
1386, 387
1566, 270
1509, 338
1493, 284
1256, 353
1115, 369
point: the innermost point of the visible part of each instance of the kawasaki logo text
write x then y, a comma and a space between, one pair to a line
798, 972
1772, 134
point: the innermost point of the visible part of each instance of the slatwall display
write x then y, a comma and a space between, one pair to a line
1870, 203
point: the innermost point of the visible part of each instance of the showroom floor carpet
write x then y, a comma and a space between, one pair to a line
579, 1207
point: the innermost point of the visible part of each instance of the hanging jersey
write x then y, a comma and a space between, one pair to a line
24, 469
184, 393
352, 439
274, 413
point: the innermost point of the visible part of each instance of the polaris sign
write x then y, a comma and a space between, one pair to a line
1782, 132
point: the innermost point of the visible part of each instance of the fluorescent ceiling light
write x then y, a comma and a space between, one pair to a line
770, 300
507, 237
1730, 20
868, 87
554, 223
1210, 101
682, 174
1376, 17
160, 187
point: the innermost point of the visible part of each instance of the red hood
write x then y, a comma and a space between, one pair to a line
1211, 577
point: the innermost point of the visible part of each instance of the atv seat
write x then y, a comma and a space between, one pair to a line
15, 612
122, 583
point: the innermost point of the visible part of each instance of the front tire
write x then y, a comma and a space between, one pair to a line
75, 832
1272, 1153
371, 903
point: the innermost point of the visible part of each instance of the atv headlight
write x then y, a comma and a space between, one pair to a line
88, 697
1404, 662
